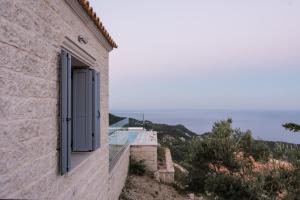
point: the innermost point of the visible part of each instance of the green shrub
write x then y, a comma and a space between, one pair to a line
124, 196
229, 187
181, 179
137, 167
260, 151
217, 148
202, 155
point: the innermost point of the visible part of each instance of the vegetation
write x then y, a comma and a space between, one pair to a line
177, 131
181, 180
137, 167
225, 163
114, 119
174, 137
292, 127
228, 163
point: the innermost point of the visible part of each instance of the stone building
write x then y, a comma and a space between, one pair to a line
54, 102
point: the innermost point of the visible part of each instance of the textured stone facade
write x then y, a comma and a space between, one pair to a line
32, 33
118, 175
167, 172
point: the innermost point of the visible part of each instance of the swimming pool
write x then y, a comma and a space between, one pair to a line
122, 137
132, 136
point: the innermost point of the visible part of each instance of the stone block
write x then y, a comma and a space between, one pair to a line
21, 61
17, 84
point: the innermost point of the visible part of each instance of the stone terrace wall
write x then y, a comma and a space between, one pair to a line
118, 175
167, 173
31, 35
146, 153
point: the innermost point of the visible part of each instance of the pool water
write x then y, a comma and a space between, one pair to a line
122, 137
131, 136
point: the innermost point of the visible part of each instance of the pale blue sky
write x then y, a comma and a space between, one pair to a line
232, 54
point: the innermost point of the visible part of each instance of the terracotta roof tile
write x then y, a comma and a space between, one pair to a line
89, 10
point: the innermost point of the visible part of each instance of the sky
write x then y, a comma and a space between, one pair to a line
203, 54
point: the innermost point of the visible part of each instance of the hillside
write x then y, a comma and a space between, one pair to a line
114, 119
177, 138
229, 163
146, 188
176, 131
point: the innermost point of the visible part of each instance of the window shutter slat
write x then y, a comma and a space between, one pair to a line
65, 111
96, 110
82, 110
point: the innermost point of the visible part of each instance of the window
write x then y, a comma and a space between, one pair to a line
79, 111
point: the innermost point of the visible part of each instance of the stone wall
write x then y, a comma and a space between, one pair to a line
31, 35
167, 172
146, 153
118, 175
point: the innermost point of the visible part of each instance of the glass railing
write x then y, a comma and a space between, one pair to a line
117, 144
131, 119
121, 133
120, 125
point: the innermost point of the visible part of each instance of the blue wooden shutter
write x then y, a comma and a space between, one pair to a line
65, 112
96, 110
82, 110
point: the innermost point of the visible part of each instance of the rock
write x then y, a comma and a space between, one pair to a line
191, 196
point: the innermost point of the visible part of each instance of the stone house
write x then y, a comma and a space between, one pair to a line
54, 102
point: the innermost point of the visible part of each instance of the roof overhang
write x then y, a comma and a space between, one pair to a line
96, 25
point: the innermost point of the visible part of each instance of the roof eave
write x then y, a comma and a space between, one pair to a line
93, 16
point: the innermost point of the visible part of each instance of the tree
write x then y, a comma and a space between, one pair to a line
215, 149
292, 127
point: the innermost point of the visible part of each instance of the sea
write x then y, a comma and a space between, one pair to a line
264, 124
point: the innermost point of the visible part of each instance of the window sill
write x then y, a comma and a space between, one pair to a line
78, 157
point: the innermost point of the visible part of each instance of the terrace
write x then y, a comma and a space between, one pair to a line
129, 133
